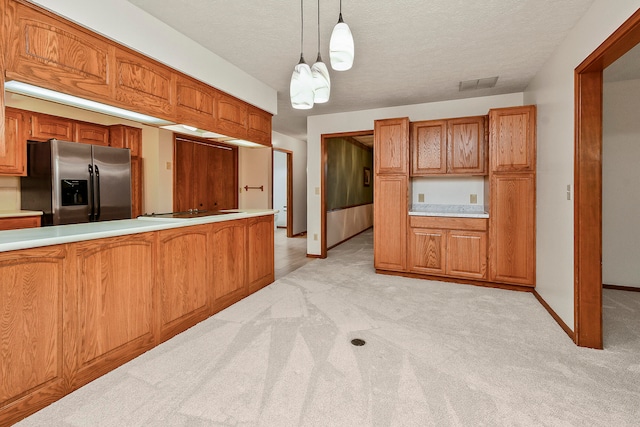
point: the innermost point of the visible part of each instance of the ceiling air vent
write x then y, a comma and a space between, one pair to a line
485, 83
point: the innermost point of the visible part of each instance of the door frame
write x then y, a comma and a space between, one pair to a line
289, 154
323, 180
588, 181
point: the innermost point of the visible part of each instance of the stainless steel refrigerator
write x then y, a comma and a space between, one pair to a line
74, 183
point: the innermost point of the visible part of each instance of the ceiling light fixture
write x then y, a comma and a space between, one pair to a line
320, 74
301, 87
341, 45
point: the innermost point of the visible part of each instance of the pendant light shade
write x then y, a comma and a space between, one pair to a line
301, 88
320, 73
341, 45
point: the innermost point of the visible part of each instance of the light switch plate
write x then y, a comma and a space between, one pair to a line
473, 198
420, 198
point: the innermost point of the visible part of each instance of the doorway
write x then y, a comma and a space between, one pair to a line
283, 189
588, 181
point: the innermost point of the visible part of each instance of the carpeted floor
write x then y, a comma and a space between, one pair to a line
436, 354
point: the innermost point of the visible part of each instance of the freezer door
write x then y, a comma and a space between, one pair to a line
71, 189
112, 183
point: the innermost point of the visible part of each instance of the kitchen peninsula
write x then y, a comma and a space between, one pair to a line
79, 300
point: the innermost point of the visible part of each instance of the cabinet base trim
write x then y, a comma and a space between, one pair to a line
620, 288
519, 288
555, 316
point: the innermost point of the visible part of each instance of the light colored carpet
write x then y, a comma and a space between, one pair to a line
436, 354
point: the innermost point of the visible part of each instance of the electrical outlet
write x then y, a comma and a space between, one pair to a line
420, 198
569, 192
318, 193
168, 166
473, 198
315, 237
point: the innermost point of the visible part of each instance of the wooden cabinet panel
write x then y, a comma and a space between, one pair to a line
391, 146
44, 127
122, 136
513, 139
183, 279
450, 223
136, 186
14, 223
427, 251
390, 210
143, 85
227, 250
50, 52
260, 257
467, 254
183, 189
31, 353
13, 148
512, 228
90, 133
429, 147
259, 126
195, 103
466, 143
113, 299
231, 116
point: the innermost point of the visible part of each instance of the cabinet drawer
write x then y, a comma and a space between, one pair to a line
13, 223
447, 222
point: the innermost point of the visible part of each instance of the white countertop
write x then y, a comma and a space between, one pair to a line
460, 211
14, 213
26, 238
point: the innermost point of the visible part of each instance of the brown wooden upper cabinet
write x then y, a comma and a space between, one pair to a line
454, 146
90, 133
13, 148
231, 116
258, 125
122, 136
195, 102
44, 127
391, 142
513, 136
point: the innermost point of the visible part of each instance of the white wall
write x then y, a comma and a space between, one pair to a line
363, 120
254, 170
552, 90
299, 149
620, 179
280, 187
448, 190
345, 223
157, 150
129, 25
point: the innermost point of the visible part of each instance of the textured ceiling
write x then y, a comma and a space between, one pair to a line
406, 51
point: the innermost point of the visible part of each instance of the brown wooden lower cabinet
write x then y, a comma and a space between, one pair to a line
15, 222
183, 279
74, 312
32, 365
460, 252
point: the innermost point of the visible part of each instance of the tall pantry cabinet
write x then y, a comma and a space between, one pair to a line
390, 193
512, 140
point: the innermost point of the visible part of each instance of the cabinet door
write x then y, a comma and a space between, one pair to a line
467, 254
136, 187
259, 126
466, 144
513, 139
112, 304
183, 279
390, 211
31, 337
429, 148
260, 252
391, 146
44, 127
427, 250
195, 103
512, 228
231, 116
122, 136
89, 133
183, 169
13, 148
227, 249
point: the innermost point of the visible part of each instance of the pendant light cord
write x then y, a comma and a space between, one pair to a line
302, 25
319, 27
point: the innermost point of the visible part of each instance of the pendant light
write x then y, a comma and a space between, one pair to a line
341, 45
320, 73
301, 87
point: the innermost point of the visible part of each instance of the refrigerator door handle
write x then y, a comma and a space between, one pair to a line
92, 188
97, 193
